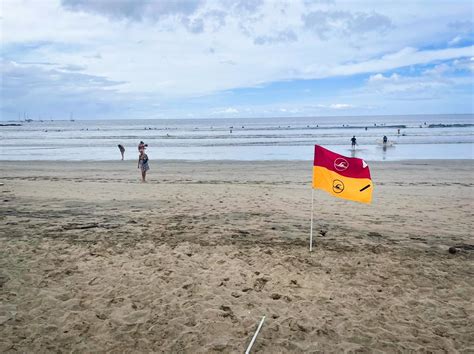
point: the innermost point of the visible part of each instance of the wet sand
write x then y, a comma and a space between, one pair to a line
92, 260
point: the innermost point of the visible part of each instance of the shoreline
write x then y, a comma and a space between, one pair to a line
375, 152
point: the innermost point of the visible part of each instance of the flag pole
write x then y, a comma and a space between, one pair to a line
311, 232
255, 336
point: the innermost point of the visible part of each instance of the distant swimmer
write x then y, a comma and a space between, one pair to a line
385, 139
354, 142
122, 150
398, 131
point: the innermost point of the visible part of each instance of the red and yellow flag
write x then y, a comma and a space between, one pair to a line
343, 177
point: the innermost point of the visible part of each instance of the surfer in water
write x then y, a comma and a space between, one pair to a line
122, 150
353, 142
385, 140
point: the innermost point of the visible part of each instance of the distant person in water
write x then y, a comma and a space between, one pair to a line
143, 164
353, 142
385, 139
122, 150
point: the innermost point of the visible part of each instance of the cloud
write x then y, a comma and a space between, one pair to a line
395, 86
215, 19
73, 68
48, 91
195, 25
402, 58
35, 77
226, 111
249, 6
345, 23
456, 40
278, 37
136, 10
466, 26
464, 33
340, 106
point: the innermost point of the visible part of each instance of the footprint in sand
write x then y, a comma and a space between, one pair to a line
260, 283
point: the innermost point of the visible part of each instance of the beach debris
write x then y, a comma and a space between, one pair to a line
374, 234
80, 226
255, 335
462, 247
275, 296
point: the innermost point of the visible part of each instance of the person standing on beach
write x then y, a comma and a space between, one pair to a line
143, 164
142, 146
354, 142
122, 150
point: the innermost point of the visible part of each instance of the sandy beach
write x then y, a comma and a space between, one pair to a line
92, 260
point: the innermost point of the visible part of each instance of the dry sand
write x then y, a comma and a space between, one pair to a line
92, 260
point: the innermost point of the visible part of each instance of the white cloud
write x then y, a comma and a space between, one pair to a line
340, 106
136, 10
226, 111
345, 23
429, 84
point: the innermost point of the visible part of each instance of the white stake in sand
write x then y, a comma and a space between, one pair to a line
255, 336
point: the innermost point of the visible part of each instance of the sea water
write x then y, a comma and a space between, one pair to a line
410, 137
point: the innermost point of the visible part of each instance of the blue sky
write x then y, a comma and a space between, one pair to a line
235, 58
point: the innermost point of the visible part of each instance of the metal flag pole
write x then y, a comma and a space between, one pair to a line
311, 233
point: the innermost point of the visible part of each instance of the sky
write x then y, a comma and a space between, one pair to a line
145, 59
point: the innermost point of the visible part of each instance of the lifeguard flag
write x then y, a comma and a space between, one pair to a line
343, 177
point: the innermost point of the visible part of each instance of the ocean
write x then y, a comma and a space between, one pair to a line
410, 137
